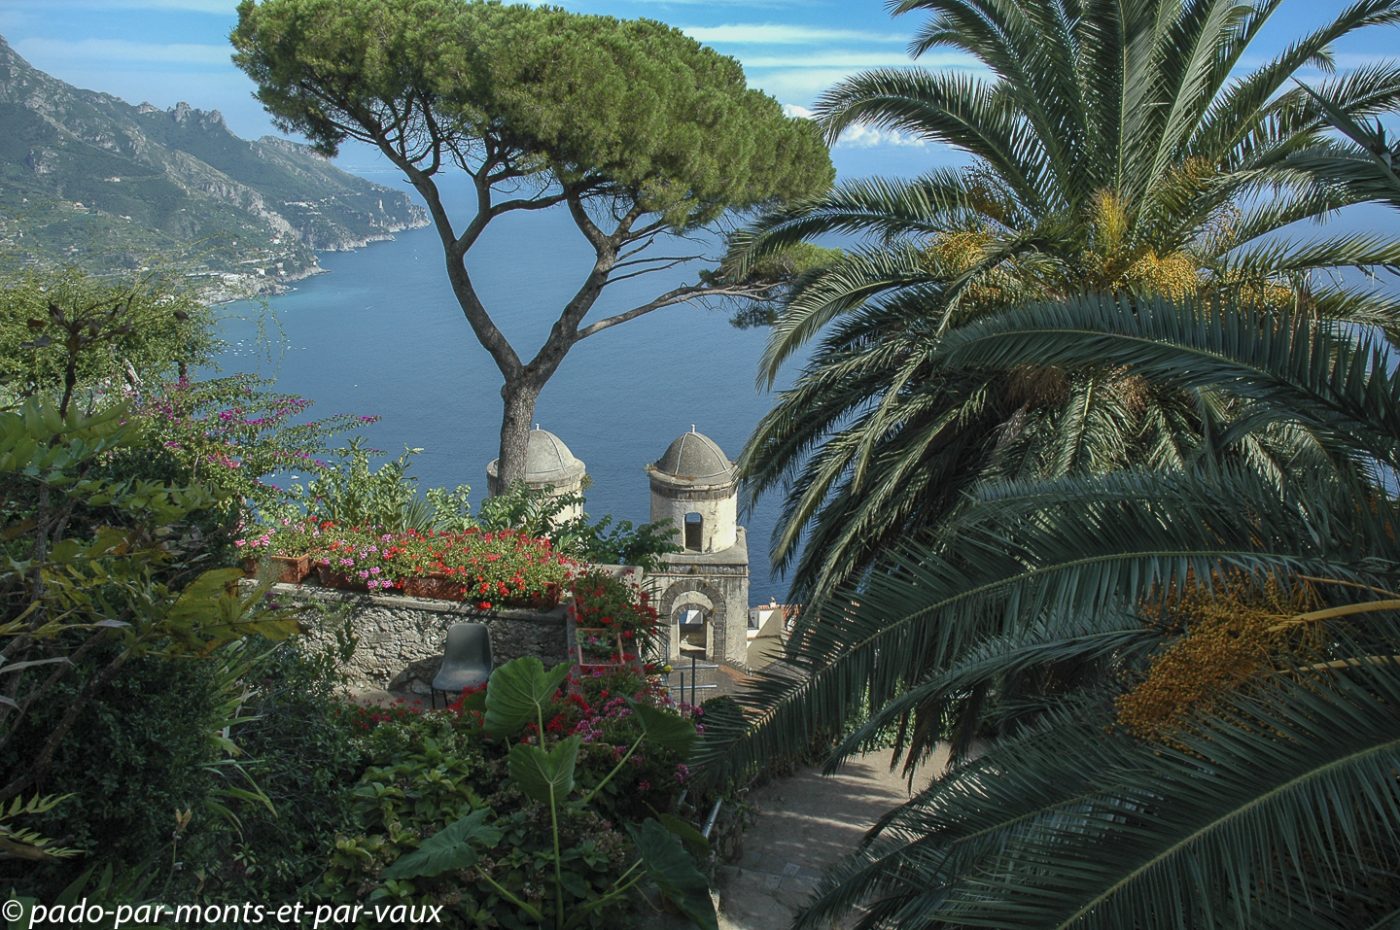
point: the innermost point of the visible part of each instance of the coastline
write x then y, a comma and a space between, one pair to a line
233, 286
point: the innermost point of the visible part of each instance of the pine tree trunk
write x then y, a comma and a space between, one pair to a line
518, 396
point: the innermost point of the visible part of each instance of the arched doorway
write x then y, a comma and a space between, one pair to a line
696, 614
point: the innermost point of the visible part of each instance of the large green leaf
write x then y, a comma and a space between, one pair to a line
665, 728
673, 871
519, 692
456, 846
686, 831
544, 775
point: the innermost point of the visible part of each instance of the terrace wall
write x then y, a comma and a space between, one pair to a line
398, 641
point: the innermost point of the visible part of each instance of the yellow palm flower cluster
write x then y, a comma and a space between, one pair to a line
953, 254
1229, 638
1174, 275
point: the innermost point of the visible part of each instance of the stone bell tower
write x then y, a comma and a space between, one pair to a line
701, 592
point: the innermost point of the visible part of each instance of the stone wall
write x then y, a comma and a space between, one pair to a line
399, 640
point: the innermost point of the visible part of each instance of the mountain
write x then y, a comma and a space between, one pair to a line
90, 180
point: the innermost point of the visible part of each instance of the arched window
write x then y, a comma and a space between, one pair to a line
694, 531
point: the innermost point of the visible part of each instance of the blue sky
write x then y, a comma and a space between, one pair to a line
164, 51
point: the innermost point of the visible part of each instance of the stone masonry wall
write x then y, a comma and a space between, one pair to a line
399, 640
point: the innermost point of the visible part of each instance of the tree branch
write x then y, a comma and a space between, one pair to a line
649, 230
681, 260
680, 295
529, 203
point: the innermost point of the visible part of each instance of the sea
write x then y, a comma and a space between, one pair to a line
380, 334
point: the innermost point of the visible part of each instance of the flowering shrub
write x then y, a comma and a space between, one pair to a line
364, 719
608, 611
491, 569
362, 556
232, 434
285, 537
427, 770
505, 567
352, 493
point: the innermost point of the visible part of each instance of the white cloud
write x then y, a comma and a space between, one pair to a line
122, 50
805, 84
862, 135
783, 34
857, 59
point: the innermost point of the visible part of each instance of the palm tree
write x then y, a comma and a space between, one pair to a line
1116, 152
1229, 758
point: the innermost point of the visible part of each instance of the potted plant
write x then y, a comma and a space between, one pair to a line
286, 547
614, 622
598, 646
498, 569
357, 559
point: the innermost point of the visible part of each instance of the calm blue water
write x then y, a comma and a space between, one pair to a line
381, 334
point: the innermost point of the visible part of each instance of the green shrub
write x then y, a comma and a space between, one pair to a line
302, 752
422, 773
137, 758
537, 512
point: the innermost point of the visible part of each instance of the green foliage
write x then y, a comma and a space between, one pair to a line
116, 333
673, 870
233, 434
1045, 609
538, 513
520, 693
696, 142
786, 269
18, 842
665, 729
421, 772
91, 607
300, 749
520, 696
545, 776
138, 756
1117, 148
615, 606
451, 849
351, 493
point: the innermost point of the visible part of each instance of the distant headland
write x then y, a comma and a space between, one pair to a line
89, 180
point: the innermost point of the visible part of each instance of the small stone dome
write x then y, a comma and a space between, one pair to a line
695, 458
547, 460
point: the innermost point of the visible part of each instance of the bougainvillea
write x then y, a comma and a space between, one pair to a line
233, 434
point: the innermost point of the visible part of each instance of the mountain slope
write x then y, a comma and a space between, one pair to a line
88, 179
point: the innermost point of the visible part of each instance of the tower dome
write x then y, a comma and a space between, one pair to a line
548, 459
695, 459
548, 464
696, 487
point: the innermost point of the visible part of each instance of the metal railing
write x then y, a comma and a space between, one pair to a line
695, 668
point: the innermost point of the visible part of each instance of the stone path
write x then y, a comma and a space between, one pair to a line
805, 824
